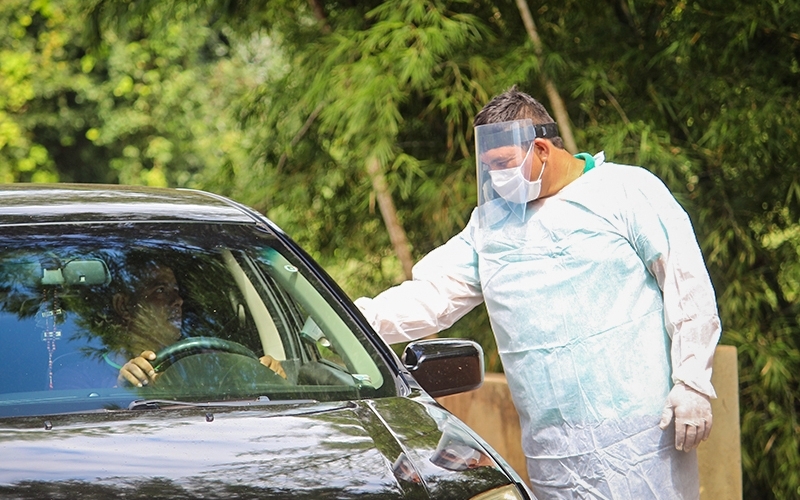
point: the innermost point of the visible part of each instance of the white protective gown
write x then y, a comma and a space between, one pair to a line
599, 301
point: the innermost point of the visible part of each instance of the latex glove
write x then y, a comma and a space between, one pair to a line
692, 412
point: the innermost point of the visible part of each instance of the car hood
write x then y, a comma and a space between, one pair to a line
387, 448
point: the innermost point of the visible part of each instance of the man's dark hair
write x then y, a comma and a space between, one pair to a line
515, 105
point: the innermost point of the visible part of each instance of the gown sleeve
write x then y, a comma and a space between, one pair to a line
662, 235
444, 287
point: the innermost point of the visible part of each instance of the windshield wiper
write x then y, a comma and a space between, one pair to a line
160, 404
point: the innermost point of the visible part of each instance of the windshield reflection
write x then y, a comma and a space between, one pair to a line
97, 309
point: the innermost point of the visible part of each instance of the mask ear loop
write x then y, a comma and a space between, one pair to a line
541, 172
526, 172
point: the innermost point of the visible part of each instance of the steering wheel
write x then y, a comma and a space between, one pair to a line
197, 345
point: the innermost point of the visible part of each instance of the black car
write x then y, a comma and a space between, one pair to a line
160, 343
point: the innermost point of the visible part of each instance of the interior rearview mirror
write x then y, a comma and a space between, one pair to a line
86, 272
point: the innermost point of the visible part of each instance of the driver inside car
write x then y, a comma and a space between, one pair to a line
151, 316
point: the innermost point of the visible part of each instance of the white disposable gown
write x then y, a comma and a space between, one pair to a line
599, 301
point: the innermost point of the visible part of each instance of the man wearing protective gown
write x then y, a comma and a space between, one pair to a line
600, 302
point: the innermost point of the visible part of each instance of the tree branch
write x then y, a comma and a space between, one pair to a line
319, 13
397, 234
559, 109
299, 135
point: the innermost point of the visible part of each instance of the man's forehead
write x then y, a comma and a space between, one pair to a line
157, 273
512, 150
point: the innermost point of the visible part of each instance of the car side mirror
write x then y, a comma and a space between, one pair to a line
445, 366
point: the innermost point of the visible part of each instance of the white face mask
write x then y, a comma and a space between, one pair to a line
512, 186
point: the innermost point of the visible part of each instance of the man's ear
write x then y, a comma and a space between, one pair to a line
121, 305
542, 148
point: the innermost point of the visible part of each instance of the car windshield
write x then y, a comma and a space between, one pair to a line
230, 312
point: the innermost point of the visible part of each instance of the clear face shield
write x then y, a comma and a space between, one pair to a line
504, 153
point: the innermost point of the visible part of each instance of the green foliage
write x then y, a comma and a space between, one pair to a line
21, 58
144, 101
376, 86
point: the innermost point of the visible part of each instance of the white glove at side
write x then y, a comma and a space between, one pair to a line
692, 412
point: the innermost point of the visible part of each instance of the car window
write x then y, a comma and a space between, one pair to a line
230, 311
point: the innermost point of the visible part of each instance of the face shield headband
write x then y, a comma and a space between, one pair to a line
504, 159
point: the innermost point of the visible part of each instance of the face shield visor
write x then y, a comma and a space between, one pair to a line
504, 153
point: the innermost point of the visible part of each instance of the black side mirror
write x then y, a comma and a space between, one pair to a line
445, 366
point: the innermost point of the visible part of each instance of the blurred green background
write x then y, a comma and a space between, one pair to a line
349, 124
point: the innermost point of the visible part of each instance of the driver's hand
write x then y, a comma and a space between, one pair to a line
273, 364
138, 371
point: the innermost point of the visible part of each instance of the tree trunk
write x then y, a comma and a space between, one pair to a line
319, 13
562, 117
397, 234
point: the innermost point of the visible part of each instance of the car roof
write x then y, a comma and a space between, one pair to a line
23, 204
